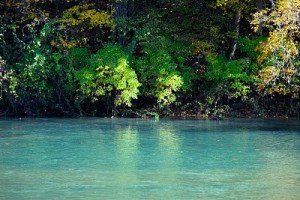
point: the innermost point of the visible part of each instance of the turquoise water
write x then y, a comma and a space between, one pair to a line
94, 158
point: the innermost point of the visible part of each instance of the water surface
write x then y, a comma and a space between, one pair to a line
94, 158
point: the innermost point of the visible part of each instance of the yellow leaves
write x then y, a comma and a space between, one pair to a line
235, 4
202, 47
283, 21
258, 18
221, 3
279, 45
262, 57
86, 14
53, 43
273, 79
8, 3
281, 49
269, 73
98, 18
289, 74
266, 76
78, 21
281, 89
63, 43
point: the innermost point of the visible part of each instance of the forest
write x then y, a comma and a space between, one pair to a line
149, 58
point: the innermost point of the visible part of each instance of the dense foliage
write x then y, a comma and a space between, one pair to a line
139, 58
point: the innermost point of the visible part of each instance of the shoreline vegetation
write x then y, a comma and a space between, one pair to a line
177, 114
210, 59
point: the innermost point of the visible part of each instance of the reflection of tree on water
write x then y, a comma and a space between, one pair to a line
161, 174
126, 155
169, 151
169, 146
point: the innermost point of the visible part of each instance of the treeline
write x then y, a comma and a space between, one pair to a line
143, 58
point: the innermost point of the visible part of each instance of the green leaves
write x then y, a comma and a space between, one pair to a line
108, 73
251, 46
161, 74
233, 75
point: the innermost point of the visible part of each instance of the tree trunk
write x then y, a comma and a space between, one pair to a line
237, 20
123, 9
272, 3
259, 5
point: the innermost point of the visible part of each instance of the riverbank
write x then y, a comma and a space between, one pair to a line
175, 113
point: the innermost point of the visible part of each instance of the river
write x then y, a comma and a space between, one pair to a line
98, 158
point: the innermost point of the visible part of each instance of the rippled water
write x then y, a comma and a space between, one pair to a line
94, 158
